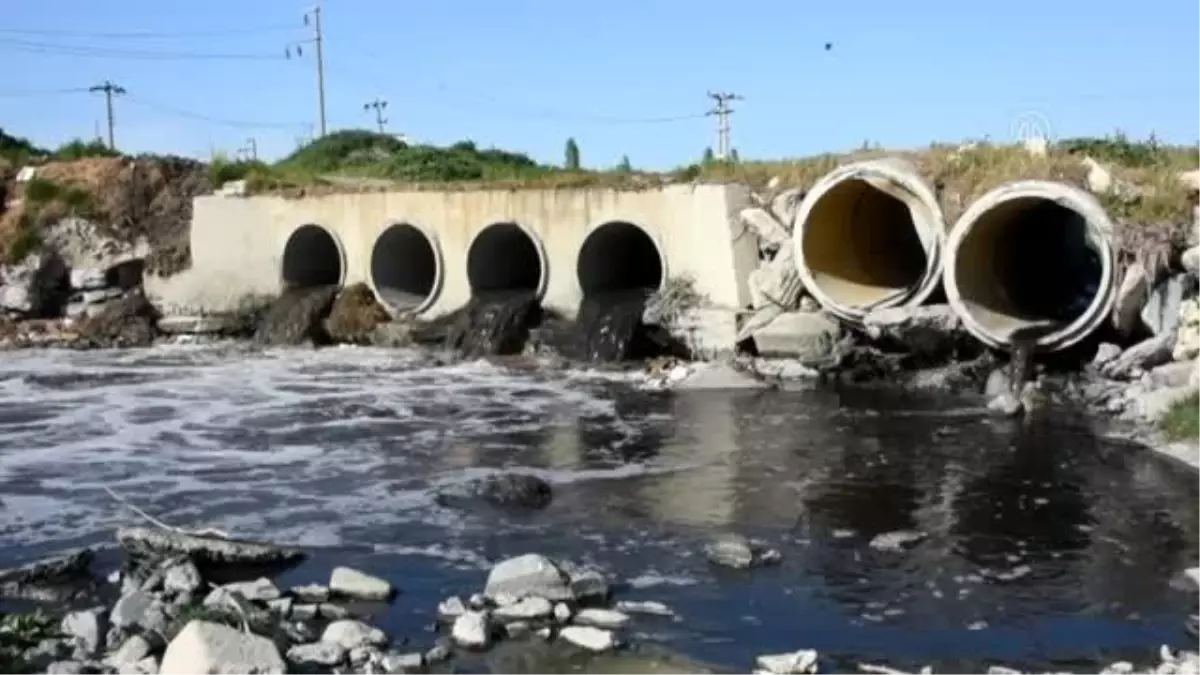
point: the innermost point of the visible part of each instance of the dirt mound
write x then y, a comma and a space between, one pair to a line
355, 315
142, 198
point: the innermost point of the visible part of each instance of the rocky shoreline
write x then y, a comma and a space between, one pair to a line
201, 602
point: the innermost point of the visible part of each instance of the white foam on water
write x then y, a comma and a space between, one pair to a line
313, 447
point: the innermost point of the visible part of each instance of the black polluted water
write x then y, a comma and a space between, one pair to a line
1044, 546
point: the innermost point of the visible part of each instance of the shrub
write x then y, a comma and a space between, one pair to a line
41, 191
28, 239
1182, 421
79, 149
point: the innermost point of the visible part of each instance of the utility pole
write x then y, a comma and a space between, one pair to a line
379, 106
251, 149
722, 112
313, 18
109, 90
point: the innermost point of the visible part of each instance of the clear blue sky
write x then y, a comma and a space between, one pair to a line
527, 74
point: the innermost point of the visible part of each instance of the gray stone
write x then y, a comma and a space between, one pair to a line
1161, 311
314, 593
1152, 404
1145, 355
321, 654
88, 279
472, 630
39, 286
562, 612
451, 608
600, 618
1177, 374
517, 629
281, 607
411, 662
785, 205
795, 663
261, 589
204, 647
589, 585
998, 383
765, 225
350, 634
355, 584
589, 638
130, 608
153, 583
1105, 353
928, 330
156, 618
1130, 298
532, 607
1190, 260
898, 540
68, 668
363, 655
479, 601
303, 612
526, 575
328, 610
738, 552
131, 651
88, 628
182, 578
147, 666
47, 651
808, 337
194, 325
649, 607
437, 653
719, 376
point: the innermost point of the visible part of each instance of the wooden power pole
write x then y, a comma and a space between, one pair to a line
313, 18
109, 90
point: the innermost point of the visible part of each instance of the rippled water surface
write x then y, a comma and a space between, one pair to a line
1046, 545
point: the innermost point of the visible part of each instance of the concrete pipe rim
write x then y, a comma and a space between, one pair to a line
439, 268
331, 233
538, 246
664, 265
1100, 229
891, 169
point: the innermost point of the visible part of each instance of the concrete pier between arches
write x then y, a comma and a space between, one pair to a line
426, 252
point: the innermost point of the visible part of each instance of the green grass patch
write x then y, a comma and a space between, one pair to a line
1182, 421
39, 191
81, 149
19, 632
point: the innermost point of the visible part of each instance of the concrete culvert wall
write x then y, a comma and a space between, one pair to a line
312, 256
505, 257
1035, 257
869, 235
406, 268
619, 256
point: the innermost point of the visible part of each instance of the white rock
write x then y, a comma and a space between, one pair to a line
1161, 312
403, 663
147, 666
350, 634
785, 206
451, 608
305, 612
765, 225
356, 584
644, 607
562, 612
1190, 260
472, 630
524, 609
928, 329
87, 279
1191, 179
808, 337
795, 663
1106, 352
589, 638
183, 578
1193, 574
204, 647
600, 618
526, 575
1130, 298
87, 628
324, 654
311, 593
131, 651
130, 609
1099, 179
1187, 340
261, 589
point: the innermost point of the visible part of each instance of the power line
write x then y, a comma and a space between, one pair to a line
722, 112
172, 110
148, 35
313, 18
131, 54
21, 93
109, 90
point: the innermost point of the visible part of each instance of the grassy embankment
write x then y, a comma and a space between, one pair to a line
1182, 421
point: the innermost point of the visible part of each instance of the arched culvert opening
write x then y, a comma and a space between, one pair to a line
869, 235
618, 256
1032, 255
503, 258
406, 268
312, 257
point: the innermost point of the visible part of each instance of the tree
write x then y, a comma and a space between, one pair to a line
625, 166
708, 156
572, 162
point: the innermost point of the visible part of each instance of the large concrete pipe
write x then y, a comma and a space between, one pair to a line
406, 268
312, 256
1035, 255
619, 256
869, 235
506, 257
